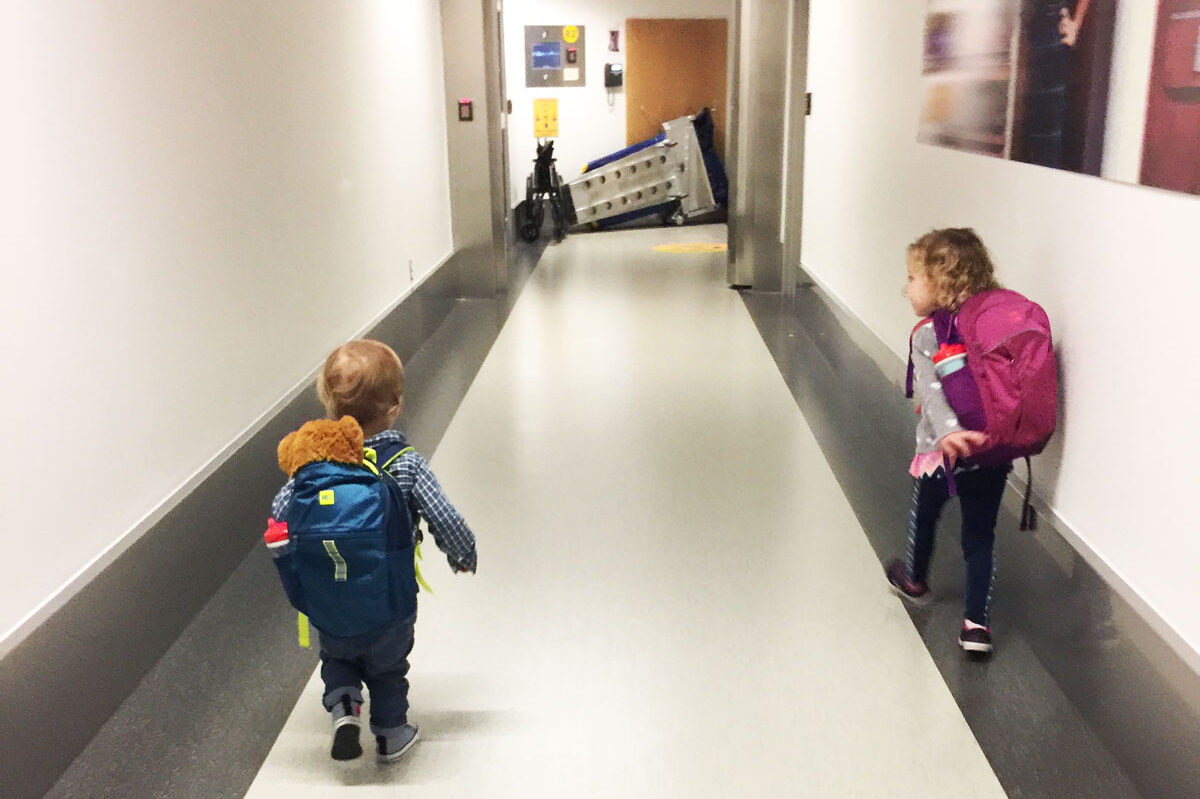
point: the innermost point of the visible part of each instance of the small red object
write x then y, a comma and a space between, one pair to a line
948, 351
276, 534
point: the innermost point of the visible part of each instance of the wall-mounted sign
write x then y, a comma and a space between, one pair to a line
554, 55
545, 118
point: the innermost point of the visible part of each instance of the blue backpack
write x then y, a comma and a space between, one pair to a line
344, 547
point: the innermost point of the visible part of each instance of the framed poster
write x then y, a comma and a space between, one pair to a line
1026, 80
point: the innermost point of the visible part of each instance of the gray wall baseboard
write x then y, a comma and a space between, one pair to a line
69, 675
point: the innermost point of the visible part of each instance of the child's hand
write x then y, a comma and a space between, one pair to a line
962, 444
458, 568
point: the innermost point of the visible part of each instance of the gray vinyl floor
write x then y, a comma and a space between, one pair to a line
674, 597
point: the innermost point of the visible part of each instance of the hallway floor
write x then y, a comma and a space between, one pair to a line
674, 597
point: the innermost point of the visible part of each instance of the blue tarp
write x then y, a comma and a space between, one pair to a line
619, 154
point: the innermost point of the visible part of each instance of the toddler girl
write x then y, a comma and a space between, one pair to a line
945, 267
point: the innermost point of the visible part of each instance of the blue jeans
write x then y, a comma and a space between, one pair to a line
379, 659
979, 494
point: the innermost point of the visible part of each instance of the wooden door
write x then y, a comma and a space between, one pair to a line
674, 67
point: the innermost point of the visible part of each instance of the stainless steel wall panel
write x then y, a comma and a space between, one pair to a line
757, 257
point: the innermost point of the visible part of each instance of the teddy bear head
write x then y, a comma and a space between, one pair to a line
340, 441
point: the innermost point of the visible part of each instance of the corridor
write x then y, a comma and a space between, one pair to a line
674, 597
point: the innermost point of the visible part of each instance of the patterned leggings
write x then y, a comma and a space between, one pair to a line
979, 494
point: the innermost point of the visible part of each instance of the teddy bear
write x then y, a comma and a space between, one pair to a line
339, 441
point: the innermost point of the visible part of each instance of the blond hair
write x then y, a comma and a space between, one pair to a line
363, 379
956, 262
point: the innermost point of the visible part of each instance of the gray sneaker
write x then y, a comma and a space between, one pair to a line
390, 748
346, 728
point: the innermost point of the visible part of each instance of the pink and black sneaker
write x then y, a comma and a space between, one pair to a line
975, 638
916, 593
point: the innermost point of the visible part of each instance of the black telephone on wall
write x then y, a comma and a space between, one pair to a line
614, 75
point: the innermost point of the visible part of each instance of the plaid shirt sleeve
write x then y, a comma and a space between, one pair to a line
446, 524
281, 500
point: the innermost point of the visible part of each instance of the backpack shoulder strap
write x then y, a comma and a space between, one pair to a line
908, 382
384, 455
945, 327
369, 462
371, 458
394, 489
396, 457
1028, 512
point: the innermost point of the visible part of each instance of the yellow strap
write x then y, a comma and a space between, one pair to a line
302, 630
417, 569
395, 457
369, 460
417, 549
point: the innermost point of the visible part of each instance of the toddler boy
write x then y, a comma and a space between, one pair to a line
364, 379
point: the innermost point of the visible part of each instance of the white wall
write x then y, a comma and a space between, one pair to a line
201, 199
1129, 92
588, 126
1114, 264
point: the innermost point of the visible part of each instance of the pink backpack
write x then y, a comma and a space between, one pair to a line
1009, 388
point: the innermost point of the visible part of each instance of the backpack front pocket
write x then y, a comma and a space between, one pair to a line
345, 579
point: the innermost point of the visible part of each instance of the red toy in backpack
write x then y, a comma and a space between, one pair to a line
1007, 384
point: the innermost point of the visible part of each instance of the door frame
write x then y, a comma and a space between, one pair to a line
761, 240
497, 103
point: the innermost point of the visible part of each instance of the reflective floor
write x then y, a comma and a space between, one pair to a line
674, 598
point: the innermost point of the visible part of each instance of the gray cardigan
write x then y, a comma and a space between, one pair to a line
937, 417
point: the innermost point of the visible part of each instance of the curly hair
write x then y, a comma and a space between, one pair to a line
957, 263
363, 379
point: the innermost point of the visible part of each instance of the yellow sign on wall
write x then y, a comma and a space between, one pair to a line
545, 118
570, 34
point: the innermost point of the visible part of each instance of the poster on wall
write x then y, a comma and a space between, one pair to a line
1064, 63
1171, 146
1030, 81
967, 75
